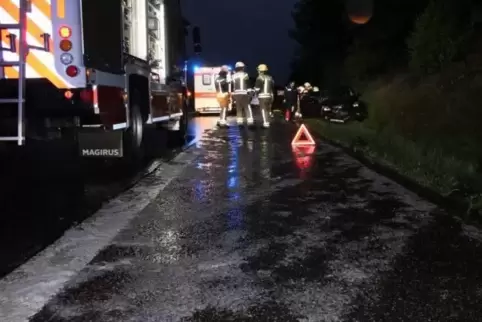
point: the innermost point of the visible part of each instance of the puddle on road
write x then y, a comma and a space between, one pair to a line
96, 293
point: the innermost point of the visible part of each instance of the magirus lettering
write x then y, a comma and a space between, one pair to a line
101, 152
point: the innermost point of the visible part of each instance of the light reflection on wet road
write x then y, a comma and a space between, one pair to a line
45, 189
254, 231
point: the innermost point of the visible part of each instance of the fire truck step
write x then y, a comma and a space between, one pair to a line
12, 138
11, 101
9, 63
9, 26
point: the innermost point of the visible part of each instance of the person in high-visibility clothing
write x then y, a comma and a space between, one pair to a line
241, 95
222, 93
264, 86
301, 92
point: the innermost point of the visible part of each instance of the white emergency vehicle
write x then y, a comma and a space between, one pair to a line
205, 101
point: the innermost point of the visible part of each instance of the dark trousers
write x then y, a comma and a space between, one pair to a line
265, 104
289, 110
242, 105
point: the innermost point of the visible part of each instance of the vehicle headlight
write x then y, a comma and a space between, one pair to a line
326, 108
355, 104
66, 59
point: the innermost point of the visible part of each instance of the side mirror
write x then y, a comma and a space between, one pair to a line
196, 39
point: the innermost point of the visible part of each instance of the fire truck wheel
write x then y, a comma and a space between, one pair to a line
134, 138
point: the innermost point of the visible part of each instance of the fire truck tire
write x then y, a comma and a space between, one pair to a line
133, 143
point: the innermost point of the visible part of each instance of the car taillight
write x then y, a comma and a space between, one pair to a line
72, 71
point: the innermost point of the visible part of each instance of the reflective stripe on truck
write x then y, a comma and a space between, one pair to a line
55, 23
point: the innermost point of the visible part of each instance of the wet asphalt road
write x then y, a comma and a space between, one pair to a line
46, 188
254, 231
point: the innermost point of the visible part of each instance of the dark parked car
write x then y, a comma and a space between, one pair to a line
342, 105
310, 104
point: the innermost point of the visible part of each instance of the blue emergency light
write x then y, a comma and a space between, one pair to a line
196, 68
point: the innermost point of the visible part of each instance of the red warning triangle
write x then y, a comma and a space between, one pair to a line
303, 137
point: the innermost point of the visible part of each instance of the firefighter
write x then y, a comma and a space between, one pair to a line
264, 86
306, 92
290, 100
301, 93
241, 95
222, 93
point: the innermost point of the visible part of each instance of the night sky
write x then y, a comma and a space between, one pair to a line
253, 31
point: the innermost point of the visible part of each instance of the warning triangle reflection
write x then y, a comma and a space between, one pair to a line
304, 159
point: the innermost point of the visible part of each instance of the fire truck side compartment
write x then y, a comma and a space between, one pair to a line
103, 35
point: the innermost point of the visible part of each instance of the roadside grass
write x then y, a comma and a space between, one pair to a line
430, 167
426, 129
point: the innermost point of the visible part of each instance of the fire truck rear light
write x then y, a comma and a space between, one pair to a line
87, 96
65, 45
66, 59
65, 32
72, 71
68, 94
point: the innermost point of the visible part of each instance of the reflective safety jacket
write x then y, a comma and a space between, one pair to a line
264, 86
222, 84
240, 83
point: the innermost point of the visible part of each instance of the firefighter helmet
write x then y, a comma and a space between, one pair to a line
239, 64
262, 68
225, 68
307, 85
316, 89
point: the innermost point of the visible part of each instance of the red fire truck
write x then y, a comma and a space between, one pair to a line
104, 68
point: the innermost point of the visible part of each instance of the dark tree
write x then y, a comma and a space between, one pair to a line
321, 33
329, 43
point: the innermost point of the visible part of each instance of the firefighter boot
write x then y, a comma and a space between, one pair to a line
265, 121
265, 106
249, 115
239, 112
222, 118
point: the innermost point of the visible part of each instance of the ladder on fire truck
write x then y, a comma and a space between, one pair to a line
23, 48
